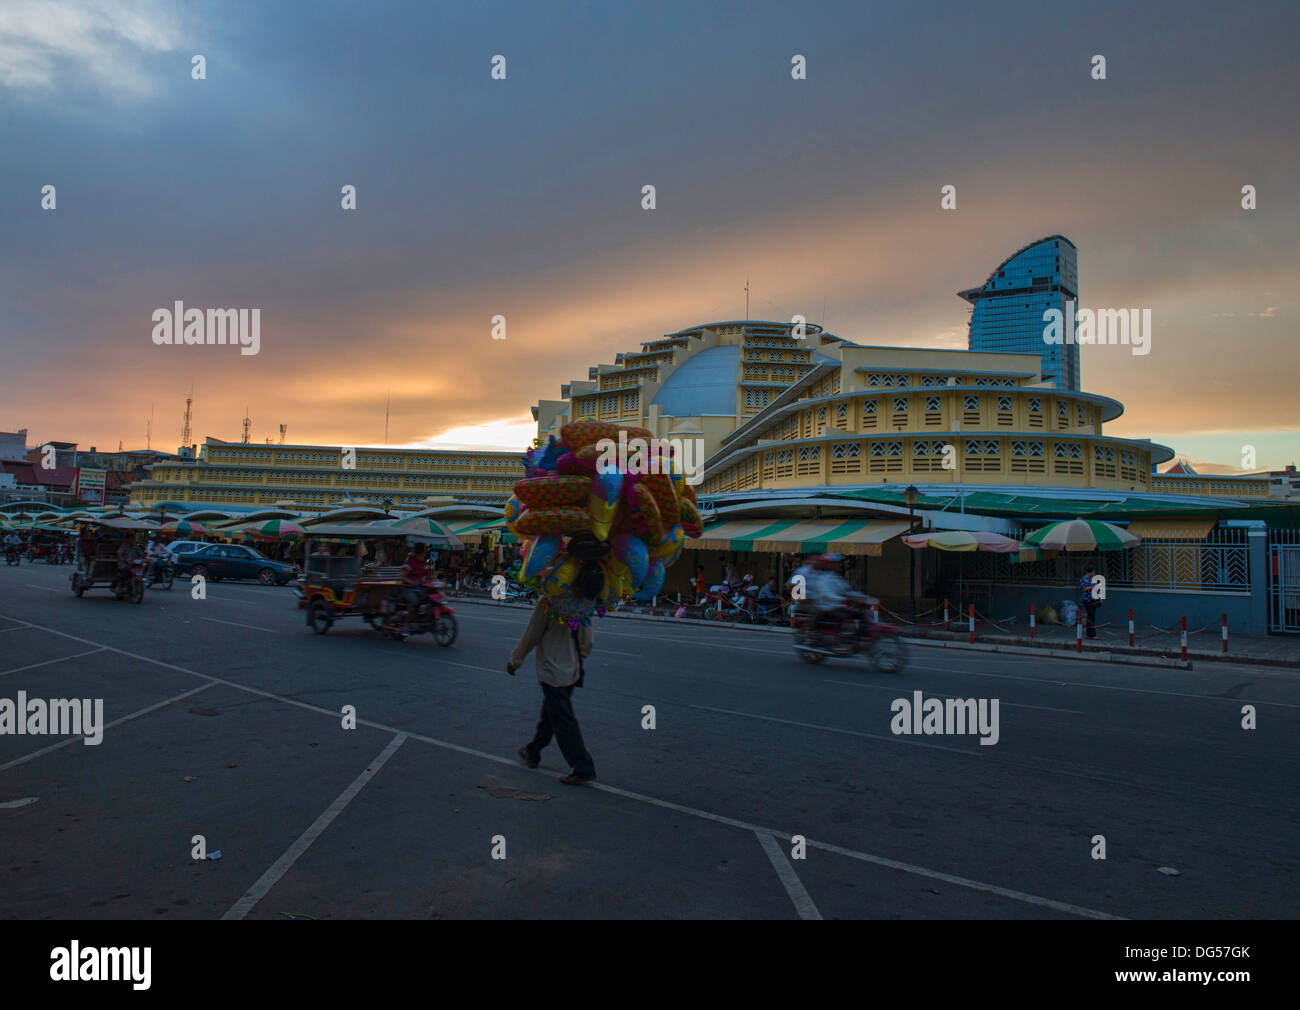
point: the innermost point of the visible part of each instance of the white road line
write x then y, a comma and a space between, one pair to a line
969, 752
1031, 899
604, 788
1107, 687
61, 659
235, 624
1009, 704
281, 866
14, 804
803, 904
107, 726
45, 588
19, 628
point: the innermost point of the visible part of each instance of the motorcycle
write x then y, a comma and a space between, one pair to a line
159, 573
739, 605
432, 615
13, 554
129, 585
857, 635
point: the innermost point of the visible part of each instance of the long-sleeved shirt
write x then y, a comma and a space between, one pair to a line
557, 654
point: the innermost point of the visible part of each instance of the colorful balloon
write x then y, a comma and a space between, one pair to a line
630, 550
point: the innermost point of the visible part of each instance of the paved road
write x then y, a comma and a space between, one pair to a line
397, 817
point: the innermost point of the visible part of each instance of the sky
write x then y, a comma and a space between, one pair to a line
522, 197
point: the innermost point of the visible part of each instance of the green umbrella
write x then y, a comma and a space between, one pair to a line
1082, 535
424, 527
273, 529
185, 528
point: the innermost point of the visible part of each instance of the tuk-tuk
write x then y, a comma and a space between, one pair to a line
334, 586
97, 564
49, 544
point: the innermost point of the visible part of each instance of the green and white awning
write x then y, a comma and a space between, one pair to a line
800, 536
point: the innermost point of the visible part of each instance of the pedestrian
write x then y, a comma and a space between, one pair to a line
1088, 598
560, 652
701, 587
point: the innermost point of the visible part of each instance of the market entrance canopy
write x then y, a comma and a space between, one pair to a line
799, 536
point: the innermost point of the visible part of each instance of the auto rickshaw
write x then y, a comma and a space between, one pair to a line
97, 565
334, 586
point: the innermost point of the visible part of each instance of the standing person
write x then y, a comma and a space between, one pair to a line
1088, 601
701, 586
769, 600
560, 652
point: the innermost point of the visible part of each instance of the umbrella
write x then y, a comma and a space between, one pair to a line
273, 529
426, 528
960, 540
1082, 535
185, 528
963, 541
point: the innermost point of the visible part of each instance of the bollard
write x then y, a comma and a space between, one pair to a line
653, 601
972, 622
945, 615
1130, 627
1225, 632
875, 612
1031, 621
1183, 623
1078, 633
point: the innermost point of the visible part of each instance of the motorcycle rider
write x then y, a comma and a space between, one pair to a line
12, 544
414, 574
128, 552
157, 556
827, 594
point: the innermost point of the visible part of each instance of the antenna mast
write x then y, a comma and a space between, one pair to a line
247, 421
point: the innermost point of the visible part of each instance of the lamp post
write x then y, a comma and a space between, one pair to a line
910, 495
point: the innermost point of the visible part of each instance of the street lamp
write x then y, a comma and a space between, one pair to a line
910, 495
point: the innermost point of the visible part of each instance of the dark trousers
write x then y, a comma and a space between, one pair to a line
1090, 608
559, 721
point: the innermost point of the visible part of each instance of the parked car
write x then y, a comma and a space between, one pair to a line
234, 561
179, 547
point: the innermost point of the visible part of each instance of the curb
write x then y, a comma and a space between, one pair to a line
1021, 647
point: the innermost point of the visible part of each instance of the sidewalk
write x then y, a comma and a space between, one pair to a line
1111, 641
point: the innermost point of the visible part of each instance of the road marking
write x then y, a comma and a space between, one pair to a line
61, 659
235, 624
837, 729
14, 804
1009, 704
19, 628
513, 762
1048, 682
107, 726
46, 589
803, 904
281, 866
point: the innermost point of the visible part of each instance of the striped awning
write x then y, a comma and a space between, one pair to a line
1172, 529
800, 536
471, 531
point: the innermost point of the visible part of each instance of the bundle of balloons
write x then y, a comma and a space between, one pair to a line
578, 506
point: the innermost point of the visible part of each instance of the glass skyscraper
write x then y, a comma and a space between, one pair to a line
1007, 313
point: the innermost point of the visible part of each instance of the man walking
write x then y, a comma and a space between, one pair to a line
560, 652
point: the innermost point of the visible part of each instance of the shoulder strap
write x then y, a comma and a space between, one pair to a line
577, 648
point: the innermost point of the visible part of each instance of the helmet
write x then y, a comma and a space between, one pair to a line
824, 561
749, 578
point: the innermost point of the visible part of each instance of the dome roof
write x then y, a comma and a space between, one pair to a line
704, 383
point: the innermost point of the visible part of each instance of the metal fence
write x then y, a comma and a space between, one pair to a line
1284, 580
1220, 562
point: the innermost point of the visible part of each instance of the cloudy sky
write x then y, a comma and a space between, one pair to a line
522, 197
